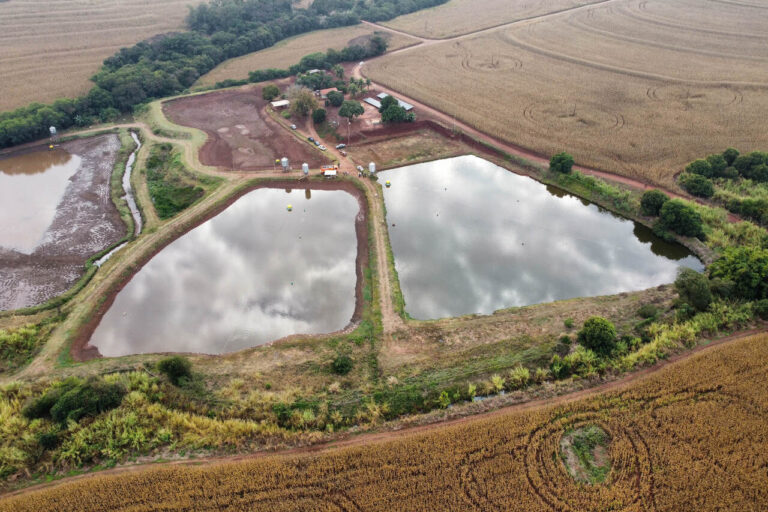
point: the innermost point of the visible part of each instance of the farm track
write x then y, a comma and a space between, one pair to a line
472, 488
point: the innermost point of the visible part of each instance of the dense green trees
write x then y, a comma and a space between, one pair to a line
598, 334
652, 201
693, 289
318, 115
351, 109
746, 268
680, 218
270, 92
220, 30
561, 162
697, 185
303, 101
336, 98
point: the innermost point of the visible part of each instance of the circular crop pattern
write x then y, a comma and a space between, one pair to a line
486, 63
695, 97
573, 115
628, 486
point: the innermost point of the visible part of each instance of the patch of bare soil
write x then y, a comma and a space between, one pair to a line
86, 222
240, 134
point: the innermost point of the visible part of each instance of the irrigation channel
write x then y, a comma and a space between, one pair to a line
471, 237
276, 262
129, 198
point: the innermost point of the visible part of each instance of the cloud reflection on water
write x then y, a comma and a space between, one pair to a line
250, 275
472, 237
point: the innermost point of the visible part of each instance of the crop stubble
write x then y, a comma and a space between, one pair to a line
58, 45
286, 53
690, 437
632, 87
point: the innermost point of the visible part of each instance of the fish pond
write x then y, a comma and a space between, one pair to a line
469, 237
254, 273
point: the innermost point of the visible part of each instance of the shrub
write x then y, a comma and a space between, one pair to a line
697, 185
747, 268
652, 201
175, 368
568, 323
730, 173
718, 164
700, 167
73, 399
318, 115
680, 218
598, 334
761, 308
561, 162
693, 288
730, 155
48, 440
342, 365
519, 377
270, 92
647, 311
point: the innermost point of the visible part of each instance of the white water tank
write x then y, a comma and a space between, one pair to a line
372, 168
305, 168
52, 129
284, 163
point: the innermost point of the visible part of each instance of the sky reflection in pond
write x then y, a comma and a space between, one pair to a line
250, 275
472, 237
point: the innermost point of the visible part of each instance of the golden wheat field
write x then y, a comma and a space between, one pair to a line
57, 45
690, 437
464, 16
288, 52
636, 87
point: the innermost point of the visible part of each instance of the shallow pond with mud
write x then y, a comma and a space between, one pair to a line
471, 237
56, 211
254, 273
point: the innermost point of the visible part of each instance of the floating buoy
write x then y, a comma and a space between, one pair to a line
290, 207
50, 147
388, 184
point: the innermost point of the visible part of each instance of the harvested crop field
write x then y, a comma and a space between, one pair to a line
636, 88
58, 45
240, 134
689, 437
290, 51
83, 221
459, 17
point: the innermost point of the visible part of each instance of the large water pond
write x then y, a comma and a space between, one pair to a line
31, 186
471, 237
254, 273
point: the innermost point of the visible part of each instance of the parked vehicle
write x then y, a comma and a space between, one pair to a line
310, 139
340, 146
322, 148
317, 142
293, 127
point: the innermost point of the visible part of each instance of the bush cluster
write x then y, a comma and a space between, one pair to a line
176, 368
74, 399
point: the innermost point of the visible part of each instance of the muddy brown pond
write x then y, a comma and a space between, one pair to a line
471, 237
254, 273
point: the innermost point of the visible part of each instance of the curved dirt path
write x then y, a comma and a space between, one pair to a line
462, 417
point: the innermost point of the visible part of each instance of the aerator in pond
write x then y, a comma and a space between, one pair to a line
289, 207
388, 184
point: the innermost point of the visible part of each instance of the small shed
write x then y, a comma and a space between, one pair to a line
313, 71
324, 92
330, 174
280, 104
373, 102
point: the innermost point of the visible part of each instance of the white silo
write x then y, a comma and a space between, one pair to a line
284, 163
372, 168
305, 168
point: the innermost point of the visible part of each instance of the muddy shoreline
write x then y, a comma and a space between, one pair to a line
85, 223
81, 350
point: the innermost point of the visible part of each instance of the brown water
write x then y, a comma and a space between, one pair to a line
254, 273
31, 186
472, 237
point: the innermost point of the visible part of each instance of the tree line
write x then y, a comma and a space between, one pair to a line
167, 65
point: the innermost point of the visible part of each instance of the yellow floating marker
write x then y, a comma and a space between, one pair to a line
290, 207
50, 147
388, 184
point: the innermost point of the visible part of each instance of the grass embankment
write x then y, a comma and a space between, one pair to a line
665, 436
172, 187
